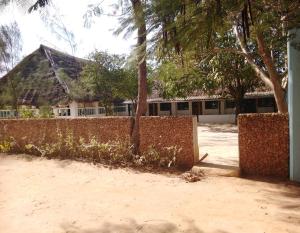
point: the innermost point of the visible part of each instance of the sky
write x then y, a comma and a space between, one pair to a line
98, 36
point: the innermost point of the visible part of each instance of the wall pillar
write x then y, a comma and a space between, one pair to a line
190, 108
74, 109
174, 108
294, 106
222, 103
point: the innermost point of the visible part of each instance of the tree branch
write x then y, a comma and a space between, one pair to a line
250, 59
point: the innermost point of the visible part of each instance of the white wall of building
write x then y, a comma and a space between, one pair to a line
220, 119
73, 109
265, 109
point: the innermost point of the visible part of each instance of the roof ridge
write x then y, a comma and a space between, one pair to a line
54, 68
44, 47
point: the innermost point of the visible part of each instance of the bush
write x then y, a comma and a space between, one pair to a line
45, 112
165, 157
26, 113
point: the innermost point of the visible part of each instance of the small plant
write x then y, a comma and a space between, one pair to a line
26, 113
8, 145
45, 112
5, 146
165, 157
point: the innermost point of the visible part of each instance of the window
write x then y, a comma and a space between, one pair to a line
211, 104
86, 111
165, 107
64, 112
120, 108
265, 102
7, 113
229, 104
101, 110
183, 106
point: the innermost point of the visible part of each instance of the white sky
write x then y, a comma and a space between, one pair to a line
98, 36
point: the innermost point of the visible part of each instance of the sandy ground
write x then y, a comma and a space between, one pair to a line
220, 142
51, 196
39, 195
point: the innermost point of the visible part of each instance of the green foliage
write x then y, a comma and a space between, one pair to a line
10, 46
109, 77
173, 80
11, 90
5, 146
45, 111
26, 113
101, 76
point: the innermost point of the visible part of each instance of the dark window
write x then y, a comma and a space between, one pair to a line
211, 104
165, 107
183, 106
229, 104
265, 102
120, 108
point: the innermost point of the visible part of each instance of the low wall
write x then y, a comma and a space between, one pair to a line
171, 131
155, 131
37, 131
264, 144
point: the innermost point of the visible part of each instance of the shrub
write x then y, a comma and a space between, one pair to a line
5, 147
8, 145
45, 112
27, 113
165, 157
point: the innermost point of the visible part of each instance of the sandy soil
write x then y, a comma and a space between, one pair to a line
38, 195
220, 142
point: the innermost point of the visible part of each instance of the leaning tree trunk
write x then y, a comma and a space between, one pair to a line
273, 74
270, 77
141, 110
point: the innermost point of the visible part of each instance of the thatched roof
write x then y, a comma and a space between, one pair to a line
45, 75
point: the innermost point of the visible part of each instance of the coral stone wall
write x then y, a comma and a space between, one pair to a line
264, 144
171, 131
39, 131
155, 131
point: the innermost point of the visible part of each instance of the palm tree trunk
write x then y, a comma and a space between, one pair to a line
141, 110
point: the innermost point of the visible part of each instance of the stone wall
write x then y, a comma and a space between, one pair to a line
171, 131
264, 145
37, 131
155, 131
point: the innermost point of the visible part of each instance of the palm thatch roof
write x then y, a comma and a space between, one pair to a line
45, 76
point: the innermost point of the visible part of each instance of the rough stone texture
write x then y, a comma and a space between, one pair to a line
264, 145
171, 131
157, 131
39, 131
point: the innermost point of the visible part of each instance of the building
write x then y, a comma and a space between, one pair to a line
208, 109
52, 72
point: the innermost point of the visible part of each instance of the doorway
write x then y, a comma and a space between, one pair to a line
153, 110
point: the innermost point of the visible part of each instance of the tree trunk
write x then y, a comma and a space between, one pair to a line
273, 74
238, 107
271, 78
141, 110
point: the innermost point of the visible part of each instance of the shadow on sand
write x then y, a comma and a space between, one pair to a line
131, 226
